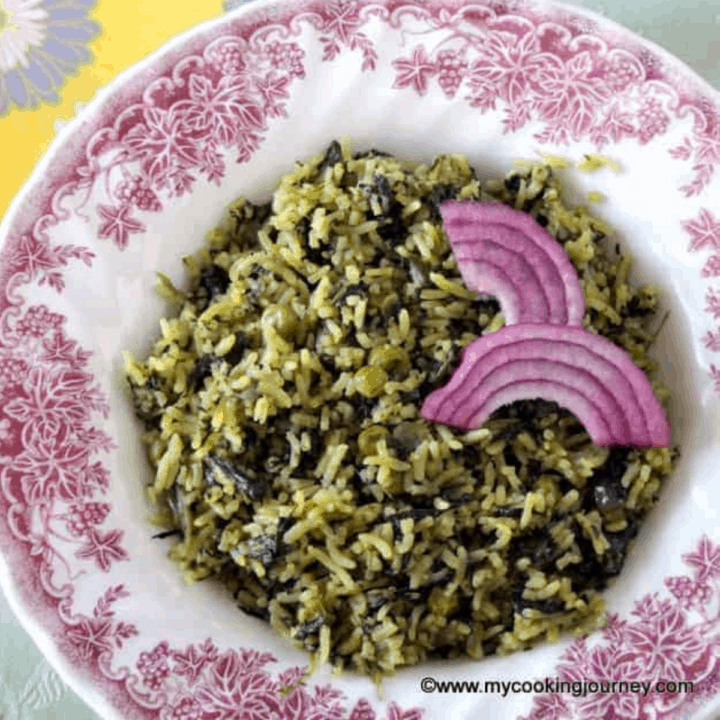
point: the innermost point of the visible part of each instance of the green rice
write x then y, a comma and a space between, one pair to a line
281, 406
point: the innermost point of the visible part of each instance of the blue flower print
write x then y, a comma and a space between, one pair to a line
42, 43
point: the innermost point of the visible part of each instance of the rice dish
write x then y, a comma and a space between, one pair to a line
281, 411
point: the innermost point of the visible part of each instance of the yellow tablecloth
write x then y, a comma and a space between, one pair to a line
126, 31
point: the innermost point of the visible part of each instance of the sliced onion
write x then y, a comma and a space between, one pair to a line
488, 238
585, 373
521, 295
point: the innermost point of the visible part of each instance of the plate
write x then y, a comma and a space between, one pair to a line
223, 111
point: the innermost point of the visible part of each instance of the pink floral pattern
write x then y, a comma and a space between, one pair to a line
715, 373
581, 90
704, 232
100, 632
666, 639
226, 102
415, 71
214, 108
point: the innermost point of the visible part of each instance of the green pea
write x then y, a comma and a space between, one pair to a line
370, 381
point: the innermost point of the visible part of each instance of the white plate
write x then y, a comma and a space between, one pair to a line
225, 110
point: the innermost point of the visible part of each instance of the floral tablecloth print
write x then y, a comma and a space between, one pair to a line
54, 56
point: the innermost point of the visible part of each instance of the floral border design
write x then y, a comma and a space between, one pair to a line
704, 232
185, 129
667, 640
199, 681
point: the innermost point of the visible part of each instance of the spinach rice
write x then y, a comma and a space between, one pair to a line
281, 407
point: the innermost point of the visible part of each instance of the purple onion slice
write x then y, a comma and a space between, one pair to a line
506, 253
583, 372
